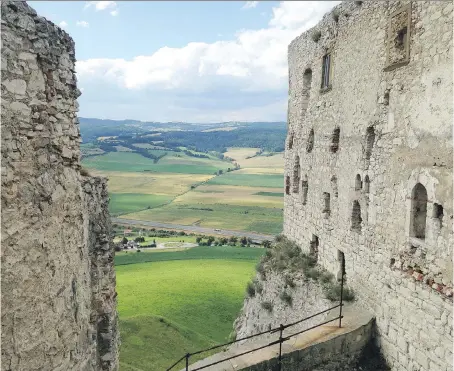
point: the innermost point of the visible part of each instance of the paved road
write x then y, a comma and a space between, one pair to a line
194, 228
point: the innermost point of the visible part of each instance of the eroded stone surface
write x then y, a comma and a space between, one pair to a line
58, 282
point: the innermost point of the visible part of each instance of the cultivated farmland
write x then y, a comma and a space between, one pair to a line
240, 189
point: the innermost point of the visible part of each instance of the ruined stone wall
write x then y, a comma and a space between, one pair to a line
98, 232
57, 278
307, 299
394, 115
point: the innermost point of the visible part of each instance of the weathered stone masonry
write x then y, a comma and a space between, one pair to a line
57, 280
370, 147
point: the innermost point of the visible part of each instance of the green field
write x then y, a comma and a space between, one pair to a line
134, 162
123, 203
201, 252
178, 302
250, 180
247, 218
273, 194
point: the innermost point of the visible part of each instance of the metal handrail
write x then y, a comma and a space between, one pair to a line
281, 339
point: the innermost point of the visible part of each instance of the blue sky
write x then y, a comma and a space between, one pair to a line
195, 61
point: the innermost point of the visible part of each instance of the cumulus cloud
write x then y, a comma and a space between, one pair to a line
82, 24
103, 5
252, 67
250, 4
63, 24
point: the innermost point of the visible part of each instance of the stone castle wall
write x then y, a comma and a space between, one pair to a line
57, 278
393, 112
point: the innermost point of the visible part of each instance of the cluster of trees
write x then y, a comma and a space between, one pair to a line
145, 153
192, 154
220, 172
222, 241
258, 153
268, 138
152, 232
163, 233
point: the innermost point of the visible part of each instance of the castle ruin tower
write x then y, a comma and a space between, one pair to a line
58, 299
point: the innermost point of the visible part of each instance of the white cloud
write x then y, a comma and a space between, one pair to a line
253, 64
103, 5
63, 24
250, 4
82, 24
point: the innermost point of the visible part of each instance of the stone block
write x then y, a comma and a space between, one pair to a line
15, 86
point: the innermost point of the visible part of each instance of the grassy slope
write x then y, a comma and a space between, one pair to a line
122, 203
154, 343
133, 162
168, 308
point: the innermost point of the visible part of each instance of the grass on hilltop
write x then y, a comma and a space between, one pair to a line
167, 308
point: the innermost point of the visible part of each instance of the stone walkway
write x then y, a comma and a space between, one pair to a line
354, 318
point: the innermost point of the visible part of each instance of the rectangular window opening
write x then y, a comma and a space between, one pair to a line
326, 71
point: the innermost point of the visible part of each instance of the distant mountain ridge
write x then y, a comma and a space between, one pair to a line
92, 128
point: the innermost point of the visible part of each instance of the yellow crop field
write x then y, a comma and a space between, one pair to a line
231, 195
240, 154
270, 162
155, 183
260, 170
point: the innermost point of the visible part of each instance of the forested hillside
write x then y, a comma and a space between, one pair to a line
268, 136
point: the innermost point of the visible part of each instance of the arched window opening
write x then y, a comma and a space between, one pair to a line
313, 248
366, 184
327, 203
287, 185
290, 141
296, 175
370, 139
358, 182
335, 141
438, 212
307, 82
418, 211
334, 185
304, 189
310, 141
356, 216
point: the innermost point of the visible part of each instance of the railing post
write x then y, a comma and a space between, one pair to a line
187, 361
281, 330
341, 304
